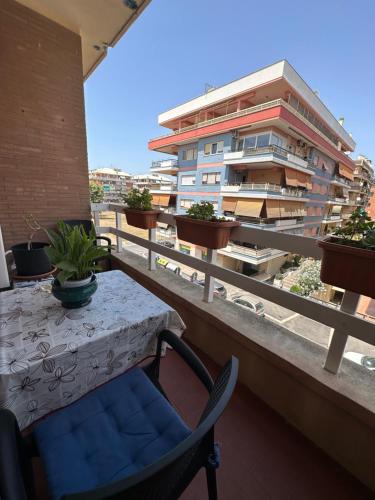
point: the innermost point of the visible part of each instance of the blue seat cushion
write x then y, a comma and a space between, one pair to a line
109, 434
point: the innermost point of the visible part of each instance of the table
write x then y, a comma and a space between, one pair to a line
51, 356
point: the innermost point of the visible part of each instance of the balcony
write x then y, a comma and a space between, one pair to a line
341, 181
262, 190
251, 255
338, 200
165, 188
168, 167
267, 350
249, 111
267, 154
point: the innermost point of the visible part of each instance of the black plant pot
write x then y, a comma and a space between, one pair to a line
31, 262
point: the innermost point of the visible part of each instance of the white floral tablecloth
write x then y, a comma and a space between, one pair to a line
51, 356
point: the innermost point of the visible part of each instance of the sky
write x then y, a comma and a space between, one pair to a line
177, 46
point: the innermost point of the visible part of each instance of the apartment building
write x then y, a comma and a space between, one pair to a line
263, 149
114, 181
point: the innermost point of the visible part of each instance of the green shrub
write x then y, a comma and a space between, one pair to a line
203, 211
73, 252
96, 192
359, 231
296, 289
138, 200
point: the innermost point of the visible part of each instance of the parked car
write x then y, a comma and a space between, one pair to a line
168, 244
249, 304
165, 264
361, 359
219, 291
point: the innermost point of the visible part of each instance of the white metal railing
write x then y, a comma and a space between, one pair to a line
265, 186
171, 162
248, 111
344, 320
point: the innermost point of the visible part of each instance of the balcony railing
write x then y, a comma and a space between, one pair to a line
171, 163
252, 252
338, 199
248, 111
342, 180
266, 186
271, 149
344, 321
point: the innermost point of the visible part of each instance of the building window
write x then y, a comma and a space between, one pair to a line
211, 178
214, 148
187, 180
186, 203
189, 154
277, 141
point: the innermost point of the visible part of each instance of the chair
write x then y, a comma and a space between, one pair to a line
88, 226
126, 432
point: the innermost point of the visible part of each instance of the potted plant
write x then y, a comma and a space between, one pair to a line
139, 211
201, 227
348, 259
74, 252
31, 258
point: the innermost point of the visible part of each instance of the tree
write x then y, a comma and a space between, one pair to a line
96, 192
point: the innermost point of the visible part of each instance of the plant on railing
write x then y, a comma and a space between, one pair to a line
308, 278
203, 211
96, 192
73, 252
138, 200
358, 232
202, 227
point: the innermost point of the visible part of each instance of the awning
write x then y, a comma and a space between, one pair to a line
292, 209
273, 176
336, 209
346, 172
249, 208
161, 200
273, 209
229, 204
297, 179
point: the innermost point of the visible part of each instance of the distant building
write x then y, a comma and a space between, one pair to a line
115, 182
265, 150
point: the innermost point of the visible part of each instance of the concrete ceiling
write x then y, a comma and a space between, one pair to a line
100, 23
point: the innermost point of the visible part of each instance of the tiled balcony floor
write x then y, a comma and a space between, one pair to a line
263, 458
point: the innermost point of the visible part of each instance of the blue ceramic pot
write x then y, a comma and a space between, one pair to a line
75, 297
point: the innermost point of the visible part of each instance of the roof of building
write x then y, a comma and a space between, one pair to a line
281, 70
110, 171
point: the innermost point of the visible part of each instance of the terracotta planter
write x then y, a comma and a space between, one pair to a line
144, 219
204, 233
348, 267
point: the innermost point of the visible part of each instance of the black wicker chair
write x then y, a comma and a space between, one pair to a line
164, 479
88, 226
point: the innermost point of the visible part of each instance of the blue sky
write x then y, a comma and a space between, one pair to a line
177, 46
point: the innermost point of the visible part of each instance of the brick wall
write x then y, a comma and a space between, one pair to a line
43, 151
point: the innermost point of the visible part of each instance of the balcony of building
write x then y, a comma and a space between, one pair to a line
341, 182
293, 429
267, 155
255, 339
262, 190
253, 254
167, 167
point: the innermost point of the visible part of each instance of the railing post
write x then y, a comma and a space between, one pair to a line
337, 345
118, 238
151, 254
97, 218
209, 281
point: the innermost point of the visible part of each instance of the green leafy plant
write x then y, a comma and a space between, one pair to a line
203, 211
73, 252
96, 192
138, 200
296, 289
358, 232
